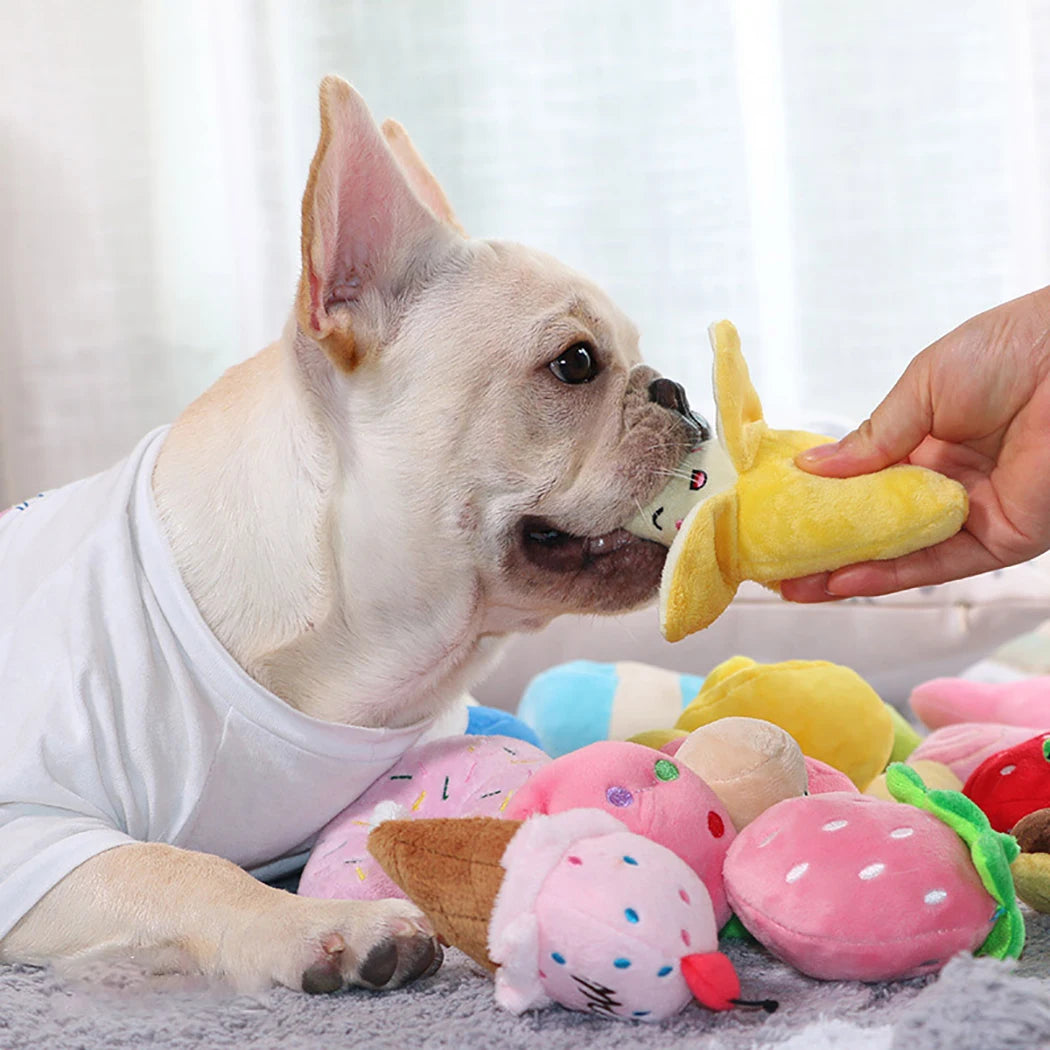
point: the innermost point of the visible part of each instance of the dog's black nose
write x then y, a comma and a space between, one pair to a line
670, 394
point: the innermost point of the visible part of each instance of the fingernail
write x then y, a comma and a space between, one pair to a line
820, 452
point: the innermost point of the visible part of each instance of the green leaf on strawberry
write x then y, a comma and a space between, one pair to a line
992, 852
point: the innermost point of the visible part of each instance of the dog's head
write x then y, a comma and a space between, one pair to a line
493, 423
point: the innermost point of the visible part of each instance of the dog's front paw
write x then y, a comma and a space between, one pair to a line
322, 946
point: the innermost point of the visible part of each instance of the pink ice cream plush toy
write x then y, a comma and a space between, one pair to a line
849, 887
570, 908
652, 794
460, 776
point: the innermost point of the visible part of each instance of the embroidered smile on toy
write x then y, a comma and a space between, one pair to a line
741, 510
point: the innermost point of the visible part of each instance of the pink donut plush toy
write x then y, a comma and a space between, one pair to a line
460, 776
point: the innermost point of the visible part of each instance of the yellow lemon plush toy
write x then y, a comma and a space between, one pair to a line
828, 709
759, 517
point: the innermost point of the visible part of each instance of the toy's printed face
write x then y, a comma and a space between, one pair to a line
706, 471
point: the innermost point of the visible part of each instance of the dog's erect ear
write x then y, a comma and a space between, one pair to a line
419, 176
363, 229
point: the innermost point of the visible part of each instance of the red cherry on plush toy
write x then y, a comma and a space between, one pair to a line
1013, 783
712, 979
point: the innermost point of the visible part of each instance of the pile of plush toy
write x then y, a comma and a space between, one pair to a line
786, 802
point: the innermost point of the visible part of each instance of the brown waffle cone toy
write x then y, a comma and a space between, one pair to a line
451, 869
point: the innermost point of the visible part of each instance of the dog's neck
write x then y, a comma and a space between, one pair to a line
245, 487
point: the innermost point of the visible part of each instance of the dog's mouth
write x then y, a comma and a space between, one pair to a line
550, 548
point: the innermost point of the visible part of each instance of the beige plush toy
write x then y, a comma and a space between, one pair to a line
741, 510
934, 775
749, 763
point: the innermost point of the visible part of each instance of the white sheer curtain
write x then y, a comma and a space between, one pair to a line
846, 179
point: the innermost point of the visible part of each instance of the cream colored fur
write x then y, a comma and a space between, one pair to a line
374, 468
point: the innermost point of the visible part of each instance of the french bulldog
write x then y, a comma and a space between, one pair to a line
442, 449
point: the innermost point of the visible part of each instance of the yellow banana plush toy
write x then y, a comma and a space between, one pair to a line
759, 517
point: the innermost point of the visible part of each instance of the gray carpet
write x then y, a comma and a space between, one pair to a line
975, 1004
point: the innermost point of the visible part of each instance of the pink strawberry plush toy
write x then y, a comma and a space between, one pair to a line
849, 887
652, 794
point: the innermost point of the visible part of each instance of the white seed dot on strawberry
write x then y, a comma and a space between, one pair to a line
835, 825
902, 833
935, 896
872, 871
1006, 771
797, 872
768, 839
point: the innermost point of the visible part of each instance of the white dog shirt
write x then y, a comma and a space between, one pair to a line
122, 717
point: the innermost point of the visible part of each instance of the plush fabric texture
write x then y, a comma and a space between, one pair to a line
491, 721
847, 886
778, 522
832, 713
945, 701
451, 869
905, 737
962, 747
749, 763
1013, 783
463, 776
1011, 687
991, 852
1031, 874
596, 918
514, 925
1031, 868
651, 794
581, 702
1033, 832
822, 778
666, 740
934, 775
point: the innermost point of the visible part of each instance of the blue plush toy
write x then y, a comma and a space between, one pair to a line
491, 721
575, 704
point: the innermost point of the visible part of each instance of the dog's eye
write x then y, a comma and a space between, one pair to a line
579, 364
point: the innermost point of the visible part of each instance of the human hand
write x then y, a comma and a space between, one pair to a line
975, 405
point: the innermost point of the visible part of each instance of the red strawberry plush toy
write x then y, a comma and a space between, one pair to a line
1013, 783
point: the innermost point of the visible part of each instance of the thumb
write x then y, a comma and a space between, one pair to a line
892, 432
